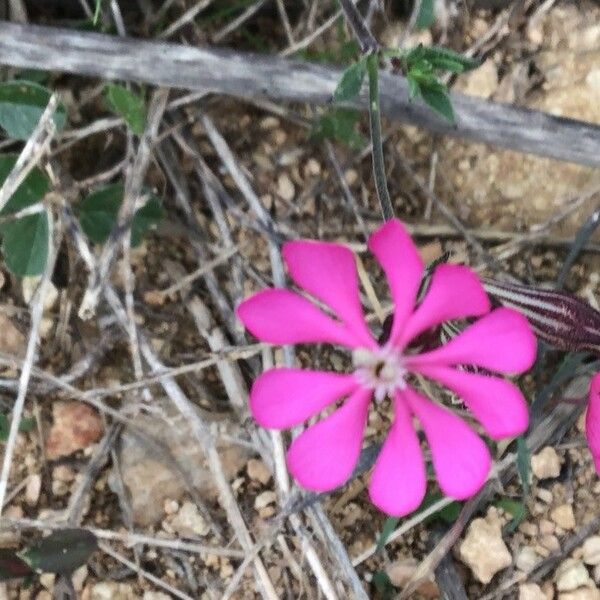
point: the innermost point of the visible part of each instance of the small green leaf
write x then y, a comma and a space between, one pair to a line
339, 124
383, 585
414, 90
62, 551
426, 15
445, 59
25, 244
32, 190
448, 514
25, 425
21, 106
517, 510
11, 566
128, 105
98, 214
388, 527
351, 82
439, 101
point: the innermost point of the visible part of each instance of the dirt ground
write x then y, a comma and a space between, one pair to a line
111, 450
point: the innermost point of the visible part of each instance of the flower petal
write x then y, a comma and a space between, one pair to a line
501, 341
398, 481
282, 398
497, 404
592, 421
460, 458
279, 316
394, 249
328, 272
323, 457
455, 292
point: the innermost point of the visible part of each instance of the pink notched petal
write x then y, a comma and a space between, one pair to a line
460, 458
394, 249
398, 481
592, 421
279, 316
282, 398
328, 272
323, 457
497, 404
501, 341
455, 292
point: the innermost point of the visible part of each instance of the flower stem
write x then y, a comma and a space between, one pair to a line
376, 139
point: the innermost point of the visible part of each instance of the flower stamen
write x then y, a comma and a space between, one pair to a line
382, 370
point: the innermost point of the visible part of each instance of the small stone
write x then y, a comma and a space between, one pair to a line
12, 341
312, 168
42, 595
550, 542
591, 550
531, 591
545, 495
47, 580
285, 187
351, 177
154, 298
29, 286
527, 559
483, 550
585, 593
76, 427
150, 478
570, 575
546, 463
402, 570
189, 522
155, 596
264, 499
78, 578
257, 471
63, 473
563, 516
111, 590
546, 526
33, 489
171, 506
529, 529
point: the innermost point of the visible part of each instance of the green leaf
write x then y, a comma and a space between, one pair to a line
351, 82
25, 244
414, 90
32, 190
21, 106
439, 101
128, 105
11, 566
448, 514
426, 15
445, 59
388, 527
25, 425
98, 214
383, 585
339, 124
516, 508
62, 551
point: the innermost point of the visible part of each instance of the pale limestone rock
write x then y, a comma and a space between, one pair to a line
546, 463
585, 593
563, 516
483, 550
591, 550
531, 591
481, 82
112, 590
264, 499
570, 575
12, 341
33, 489
257, 471
189, 522
285, 188
527, 558
402, 570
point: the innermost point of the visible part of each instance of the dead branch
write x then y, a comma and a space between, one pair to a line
249, 75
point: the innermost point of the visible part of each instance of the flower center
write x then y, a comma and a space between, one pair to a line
381, 370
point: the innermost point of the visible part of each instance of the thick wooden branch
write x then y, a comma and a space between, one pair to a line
253, 75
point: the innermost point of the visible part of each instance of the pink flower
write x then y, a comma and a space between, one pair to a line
592, 421
324, 456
